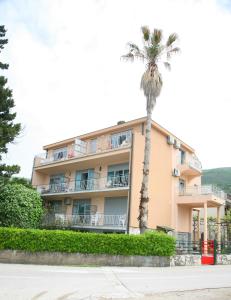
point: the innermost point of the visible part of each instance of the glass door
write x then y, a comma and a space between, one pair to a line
84, 180
181, 186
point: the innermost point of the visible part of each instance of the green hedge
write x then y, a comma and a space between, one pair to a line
32, 240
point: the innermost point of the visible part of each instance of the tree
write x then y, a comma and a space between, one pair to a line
8, 130
21, 180
20, 206
151, 84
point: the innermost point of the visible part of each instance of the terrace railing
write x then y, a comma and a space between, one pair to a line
80, 149
188, 247
98, 220
195, 164
103, 183
202, 190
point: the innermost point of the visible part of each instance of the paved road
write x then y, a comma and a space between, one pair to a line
31, 282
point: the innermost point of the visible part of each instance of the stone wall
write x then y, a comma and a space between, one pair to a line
223, 259
185, 260
78, 259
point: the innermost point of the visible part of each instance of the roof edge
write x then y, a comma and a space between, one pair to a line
125, 125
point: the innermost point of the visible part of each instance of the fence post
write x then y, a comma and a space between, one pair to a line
215, 252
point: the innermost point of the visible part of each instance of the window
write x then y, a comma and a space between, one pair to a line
181, 157
82, 207
181, 186
93, 146
57, 183
120, 139
56, 207
118, 175
85, 180
60, 153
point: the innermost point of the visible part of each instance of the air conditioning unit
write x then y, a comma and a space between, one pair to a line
177, 144
67, 201
170, 140
176, 173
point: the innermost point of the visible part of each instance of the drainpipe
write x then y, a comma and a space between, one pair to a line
130, 183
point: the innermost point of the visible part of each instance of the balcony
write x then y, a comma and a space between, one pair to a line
195, 196
95, 221
83, 149
191, 167
86, 186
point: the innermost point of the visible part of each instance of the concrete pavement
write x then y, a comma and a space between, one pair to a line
31, 282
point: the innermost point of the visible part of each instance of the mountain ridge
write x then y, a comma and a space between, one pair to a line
220, 177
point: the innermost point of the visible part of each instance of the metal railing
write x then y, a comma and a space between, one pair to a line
103, 144
202, 190
83, 220
224, 247
188, 247
103, 183
194, 163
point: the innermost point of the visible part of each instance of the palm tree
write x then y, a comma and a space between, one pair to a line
151, 84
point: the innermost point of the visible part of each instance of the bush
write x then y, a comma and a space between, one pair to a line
20, 206
32, 240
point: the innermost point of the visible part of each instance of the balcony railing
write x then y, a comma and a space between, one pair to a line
195, 164
104, 183
202, 190
97, 220
82, 149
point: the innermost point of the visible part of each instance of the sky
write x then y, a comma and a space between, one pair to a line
68, 78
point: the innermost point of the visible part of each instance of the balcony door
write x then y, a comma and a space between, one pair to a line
84, 180
181, 186
121, 139
118, 175
81, 207
56, 207
115, 211
57, 183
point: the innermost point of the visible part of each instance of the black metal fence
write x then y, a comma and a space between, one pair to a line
224, 247
189, 247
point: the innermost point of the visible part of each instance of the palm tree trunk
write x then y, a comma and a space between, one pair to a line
144, 199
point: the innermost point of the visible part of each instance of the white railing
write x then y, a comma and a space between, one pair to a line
195, 164
93, 184
90, 220
74, 151
202, 190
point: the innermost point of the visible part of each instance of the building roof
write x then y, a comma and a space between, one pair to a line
114, 128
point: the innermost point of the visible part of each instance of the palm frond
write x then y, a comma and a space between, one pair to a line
171, 39
128, 56
156, 36
167, 65
133, 47
146, 33
135, 50
172, 51
154, 52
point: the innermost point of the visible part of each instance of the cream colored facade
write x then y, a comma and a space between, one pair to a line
92, 176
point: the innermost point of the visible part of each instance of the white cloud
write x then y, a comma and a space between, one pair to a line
67, 76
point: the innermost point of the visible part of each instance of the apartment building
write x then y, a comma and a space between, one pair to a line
93, 181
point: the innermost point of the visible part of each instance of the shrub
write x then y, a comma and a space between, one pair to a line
155, 243
20, 206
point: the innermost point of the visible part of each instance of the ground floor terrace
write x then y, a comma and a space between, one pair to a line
194, 208
88, 211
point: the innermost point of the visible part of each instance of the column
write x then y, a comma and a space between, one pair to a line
219, 228
198, 225
190, 222
205, 229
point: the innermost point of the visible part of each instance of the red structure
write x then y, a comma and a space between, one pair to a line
208, 253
